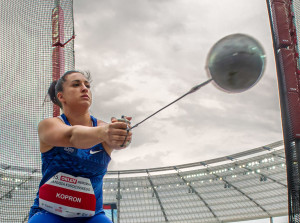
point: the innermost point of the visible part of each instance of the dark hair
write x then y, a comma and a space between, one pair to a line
57, 85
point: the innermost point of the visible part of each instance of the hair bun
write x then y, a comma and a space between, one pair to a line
51, 92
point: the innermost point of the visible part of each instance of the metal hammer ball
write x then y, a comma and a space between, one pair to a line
236, 63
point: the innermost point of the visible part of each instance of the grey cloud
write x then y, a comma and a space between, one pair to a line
144, 54
143, 162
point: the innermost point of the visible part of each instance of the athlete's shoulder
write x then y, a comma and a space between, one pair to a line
49, 121
49, 130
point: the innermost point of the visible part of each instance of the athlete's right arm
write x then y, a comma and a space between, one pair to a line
53, 132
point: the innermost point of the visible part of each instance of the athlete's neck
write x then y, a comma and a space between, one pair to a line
76, 118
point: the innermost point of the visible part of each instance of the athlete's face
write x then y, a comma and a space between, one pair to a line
76, 91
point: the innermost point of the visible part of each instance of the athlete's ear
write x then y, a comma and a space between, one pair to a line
60, 97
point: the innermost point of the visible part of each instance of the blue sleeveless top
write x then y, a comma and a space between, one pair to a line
87, 163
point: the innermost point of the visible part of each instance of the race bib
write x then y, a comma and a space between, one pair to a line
68, 196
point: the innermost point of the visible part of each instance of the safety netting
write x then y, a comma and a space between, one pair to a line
284, 18
36, 46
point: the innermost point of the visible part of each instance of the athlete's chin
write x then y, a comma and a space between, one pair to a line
86, 102
82, 106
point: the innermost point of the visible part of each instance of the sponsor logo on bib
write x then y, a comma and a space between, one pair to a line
68, 179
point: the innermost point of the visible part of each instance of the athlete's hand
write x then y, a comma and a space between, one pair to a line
117, 135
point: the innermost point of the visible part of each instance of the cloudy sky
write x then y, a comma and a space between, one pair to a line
143, 54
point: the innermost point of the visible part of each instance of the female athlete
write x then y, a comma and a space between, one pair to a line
76, 149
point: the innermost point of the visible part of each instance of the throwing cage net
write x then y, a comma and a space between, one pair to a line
285, 24
36, 46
